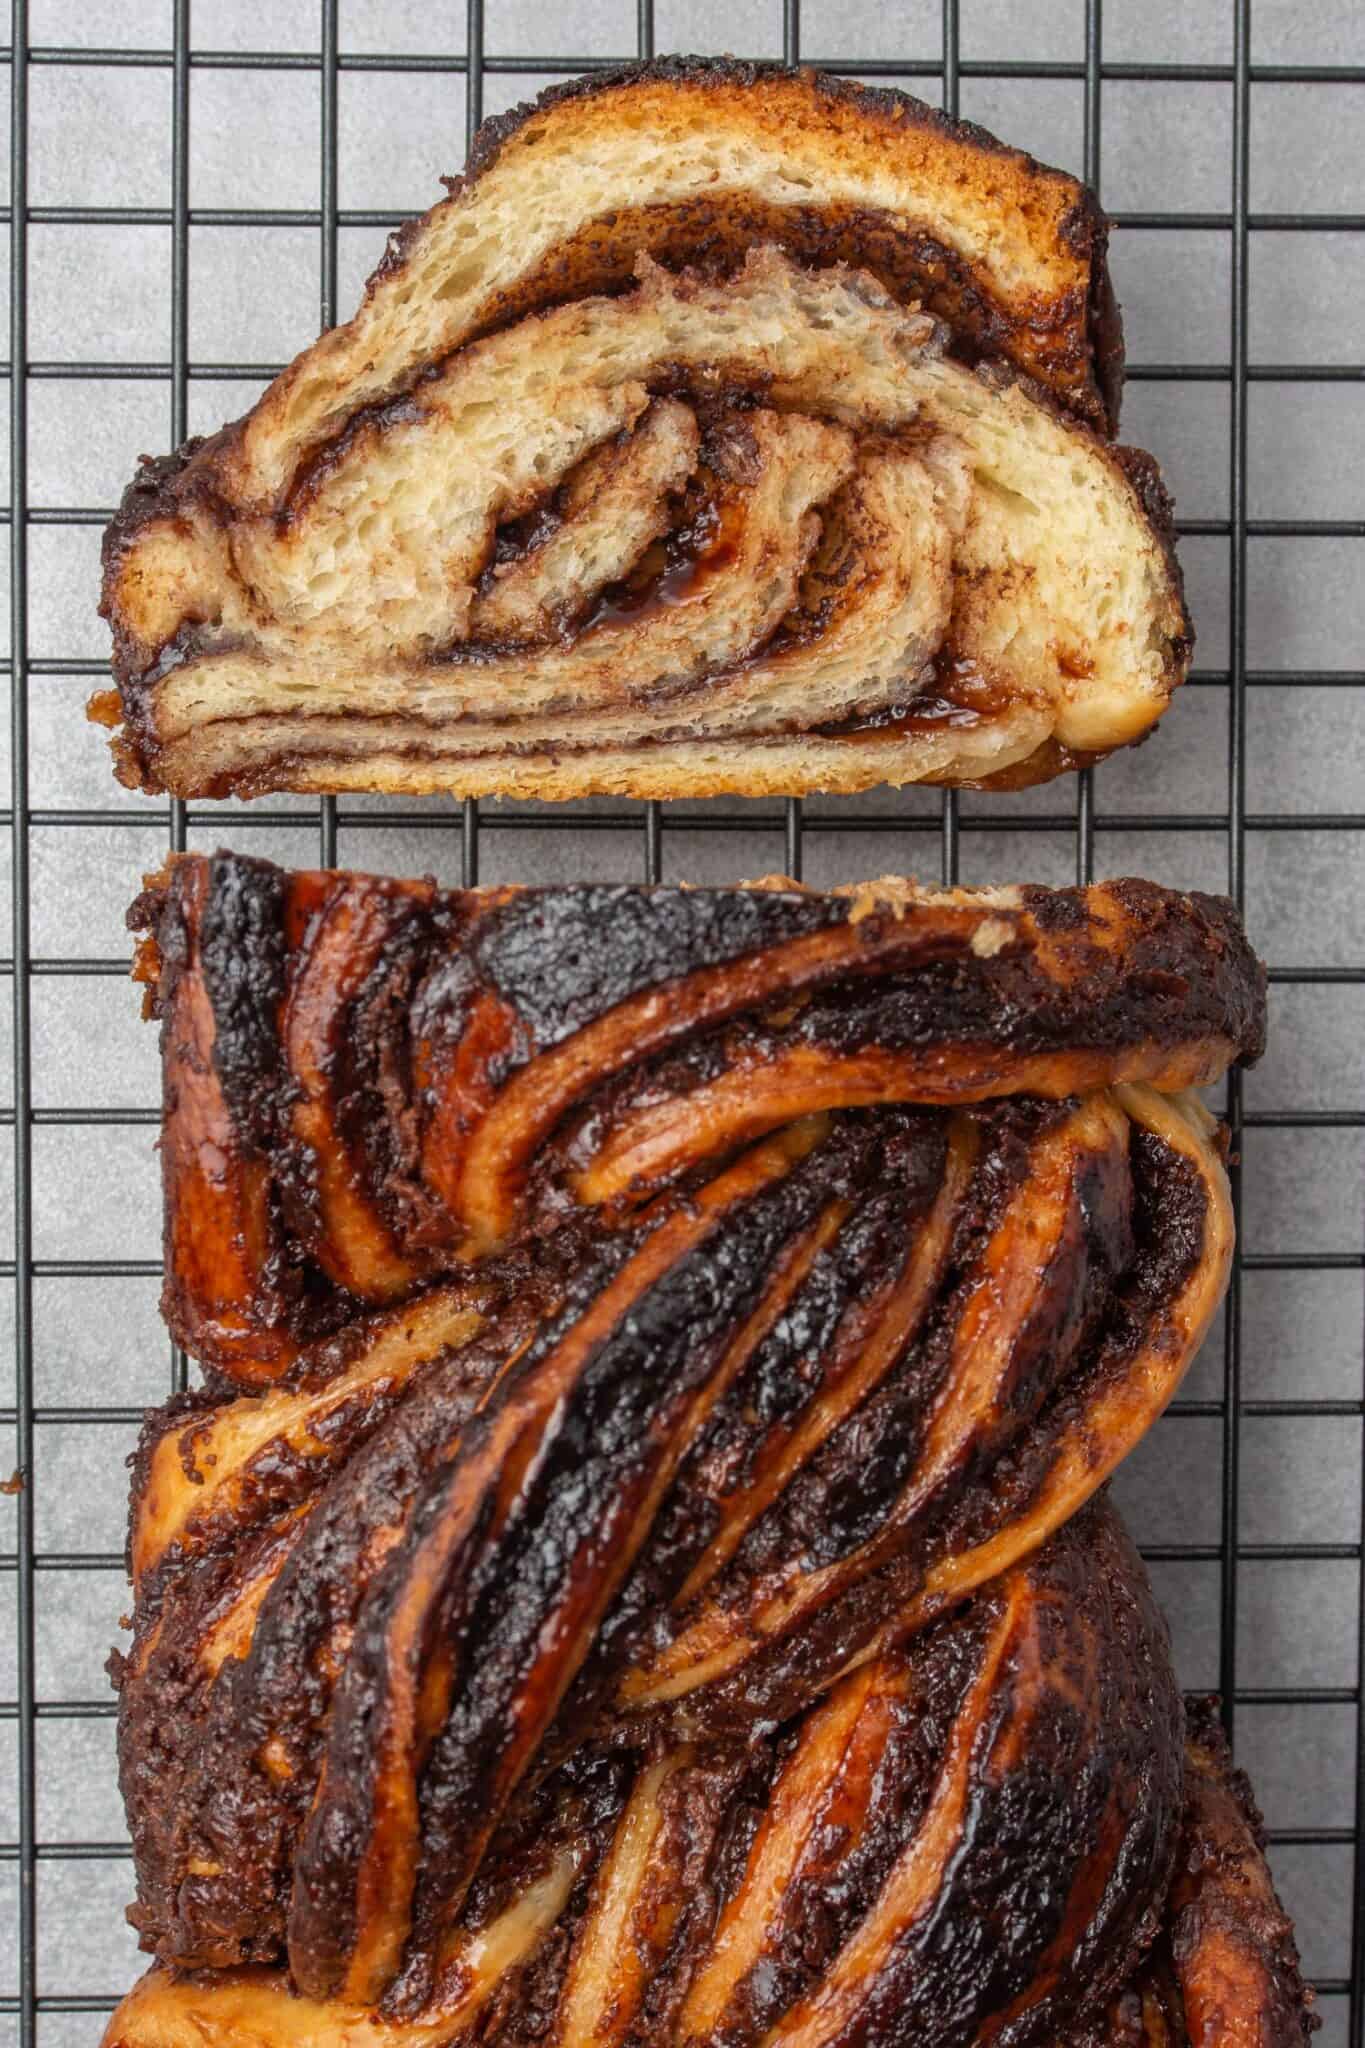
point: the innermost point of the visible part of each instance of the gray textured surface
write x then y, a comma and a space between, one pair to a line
103, 292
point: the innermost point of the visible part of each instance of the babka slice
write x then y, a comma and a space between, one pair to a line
725, 429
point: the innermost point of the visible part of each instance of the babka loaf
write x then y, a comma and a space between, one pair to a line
725, 428
639, 1571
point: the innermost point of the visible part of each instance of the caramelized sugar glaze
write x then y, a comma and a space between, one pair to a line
639, 1571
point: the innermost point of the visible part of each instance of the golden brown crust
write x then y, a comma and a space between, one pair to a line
1059, 216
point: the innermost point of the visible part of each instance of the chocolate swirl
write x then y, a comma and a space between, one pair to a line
724, 429
370, 1082
652, 1584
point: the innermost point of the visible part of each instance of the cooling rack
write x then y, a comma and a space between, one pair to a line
188, 197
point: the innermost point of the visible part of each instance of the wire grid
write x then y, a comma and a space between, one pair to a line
937, 834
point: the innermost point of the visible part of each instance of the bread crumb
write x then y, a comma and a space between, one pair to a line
780, 883
991, 937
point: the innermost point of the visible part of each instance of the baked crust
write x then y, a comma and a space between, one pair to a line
925, 1775
1225, 1966
1059, 323
1223, 1970
385, 1078
651, 1581
895, 347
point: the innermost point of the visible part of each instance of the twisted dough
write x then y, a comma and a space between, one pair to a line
723, 429
370, 1081
649, 1587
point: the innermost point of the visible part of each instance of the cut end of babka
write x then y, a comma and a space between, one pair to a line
726, 429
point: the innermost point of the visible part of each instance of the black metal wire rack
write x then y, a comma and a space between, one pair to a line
39, 1991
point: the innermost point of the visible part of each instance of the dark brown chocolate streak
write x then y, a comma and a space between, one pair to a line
1094, 1783
991, 1001
378, 1105
940, 270
162, 1708
564, 957
1169, 1215
244, 959
606, 1444
979, 1946
246, 1817
842, 1497
706, 1804
826, 1903
711, 236
889, 1167
776, 1680
894, 1169
599, 1466
230, 924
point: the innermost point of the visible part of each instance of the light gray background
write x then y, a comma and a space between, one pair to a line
103, 137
